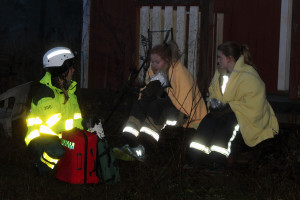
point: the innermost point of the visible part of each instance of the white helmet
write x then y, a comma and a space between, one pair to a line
56, 57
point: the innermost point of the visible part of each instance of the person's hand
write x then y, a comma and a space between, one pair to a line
217, 108
141, 91
215, 104
152, 88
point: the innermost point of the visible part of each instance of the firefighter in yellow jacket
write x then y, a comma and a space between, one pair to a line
54, 109
237, 103
170, 91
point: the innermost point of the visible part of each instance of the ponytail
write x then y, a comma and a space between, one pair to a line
233, 49
247, 56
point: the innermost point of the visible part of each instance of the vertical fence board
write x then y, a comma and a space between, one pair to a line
168, 20
144, 26
156, 25
180, 30
192, 40
219, 33
285, 45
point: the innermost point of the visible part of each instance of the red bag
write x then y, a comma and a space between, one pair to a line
78, 165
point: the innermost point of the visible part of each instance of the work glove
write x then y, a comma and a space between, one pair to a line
162, 78
217, 108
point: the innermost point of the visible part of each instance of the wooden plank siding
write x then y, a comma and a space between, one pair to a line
116, 48
112, 43
257, 24
295, 53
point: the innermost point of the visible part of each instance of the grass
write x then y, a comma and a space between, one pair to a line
268, 172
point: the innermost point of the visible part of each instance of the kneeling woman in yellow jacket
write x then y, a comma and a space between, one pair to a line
237, 103
169, 91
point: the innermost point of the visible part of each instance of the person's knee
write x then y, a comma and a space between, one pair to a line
55, 150
195, 156
148, 142
129, 139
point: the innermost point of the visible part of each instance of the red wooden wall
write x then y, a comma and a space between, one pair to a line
114, 35
295, 53
112, 42
257, 24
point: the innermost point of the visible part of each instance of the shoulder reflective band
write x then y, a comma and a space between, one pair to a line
53, 119
69, 124
77, 116
225, 81
150, 132
31, 136
131, 130
34, 121
200, 147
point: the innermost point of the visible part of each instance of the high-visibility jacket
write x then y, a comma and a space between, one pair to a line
245, 92
49, 114
184, 94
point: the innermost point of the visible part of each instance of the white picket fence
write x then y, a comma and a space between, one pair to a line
158, 18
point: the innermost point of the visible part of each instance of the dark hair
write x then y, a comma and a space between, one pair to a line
61, 72
169, 52
235, 50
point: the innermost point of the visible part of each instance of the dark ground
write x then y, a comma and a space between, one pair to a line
267, 172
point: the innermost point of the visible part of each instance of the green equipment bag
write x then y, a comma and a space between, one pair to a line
107, 169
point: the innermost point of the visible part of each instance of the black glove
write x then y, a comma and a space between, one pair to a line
153, 88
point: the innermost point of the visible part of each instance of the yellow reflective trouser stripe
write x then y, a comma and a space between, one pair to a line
48, 158
69, 124
53, 119
50, 162
31, 136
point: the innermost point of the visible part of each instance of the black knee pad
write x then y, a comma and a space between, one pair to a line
196, 156
130, 139
55, 150
148, 142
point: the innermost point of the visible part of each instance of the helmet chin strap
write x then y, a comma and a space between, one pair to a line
66, 84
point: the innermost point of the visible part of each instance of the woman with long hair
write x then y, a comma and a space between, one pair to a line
170, 92
237, 103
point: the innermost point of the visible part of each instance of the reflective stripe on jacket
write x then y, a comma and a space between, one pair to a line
50, 115
184, 94
245, 92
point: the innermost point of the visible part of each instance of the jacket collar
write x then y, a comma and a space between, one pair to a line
46, 80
